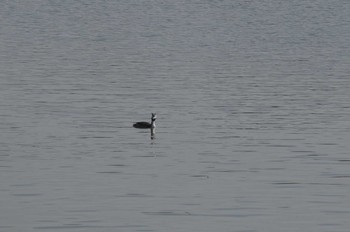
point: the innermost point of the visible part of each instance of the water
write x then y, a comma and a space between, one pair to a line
253, 124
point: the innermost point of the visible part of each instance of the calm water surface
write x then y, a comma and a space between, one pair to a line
253, 123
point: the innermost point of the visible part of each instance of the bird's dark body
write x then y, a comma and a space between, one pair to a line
142, 125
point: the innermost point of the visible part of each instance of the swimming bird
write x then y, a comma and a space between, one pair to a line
147, 125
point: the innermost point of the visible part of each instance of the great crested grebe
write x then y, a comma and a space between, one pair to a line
147, 125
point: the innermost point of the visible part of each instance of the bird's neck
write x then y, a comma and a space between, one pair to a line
153, 124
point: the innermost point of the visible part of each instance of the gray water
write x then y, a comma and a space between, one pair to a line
253, 125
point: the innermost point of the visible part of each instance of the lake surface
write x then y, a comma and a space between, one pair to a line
253, 125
